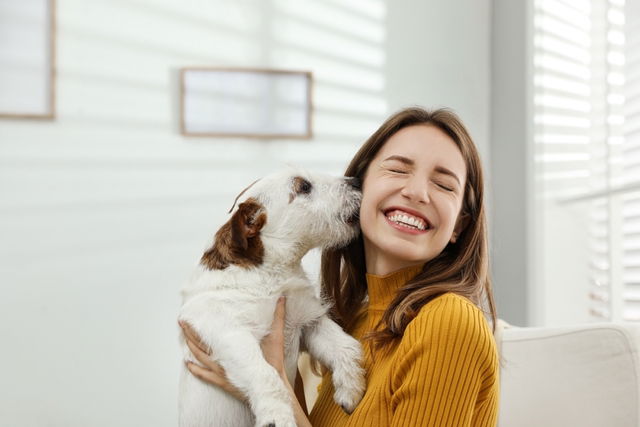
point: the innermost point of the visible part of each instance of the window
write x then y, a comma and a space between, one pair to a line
586, 124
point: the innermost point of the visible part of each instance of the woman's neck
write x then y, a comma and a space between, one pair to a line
381, 265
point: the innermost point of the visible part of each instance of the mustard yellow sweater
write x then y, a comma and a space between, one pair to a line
442, 372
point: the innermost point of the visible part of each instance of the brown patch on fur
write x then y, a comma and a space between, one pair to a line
238, 240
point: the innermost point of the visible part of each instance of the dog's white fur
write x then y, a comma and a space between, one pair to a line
232, 308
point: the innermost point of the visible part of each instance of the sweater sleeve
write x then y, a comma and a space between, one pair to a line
447, 370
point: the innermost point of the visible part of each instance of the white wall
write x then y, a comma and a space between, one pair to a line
104, 210
513, 256
439, 55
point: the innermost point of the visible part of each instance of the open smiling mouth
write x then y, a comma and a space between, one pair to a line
407, 221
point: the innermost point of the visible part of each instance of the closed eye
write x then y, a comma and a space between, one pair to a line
397, 171
444, 187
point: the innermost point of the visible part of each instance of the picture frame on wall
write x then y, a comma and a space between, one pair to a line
245, 102
27, 55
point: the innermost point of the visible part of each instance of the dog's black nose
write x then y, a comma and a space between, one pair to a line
354, 182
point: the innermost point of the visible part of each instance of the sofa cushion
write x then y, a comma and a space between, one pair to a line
571, 376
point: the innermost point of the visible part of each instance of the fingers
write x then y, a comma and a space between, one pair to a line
192, 336
209, 365
207, 375
200, 355
219, 380
210, 371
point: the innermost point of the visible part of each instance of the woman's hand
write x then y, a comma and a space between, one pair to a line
211, 372
273, 343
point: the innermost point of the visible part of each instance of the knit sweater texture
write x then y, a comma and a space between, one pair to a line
442, 372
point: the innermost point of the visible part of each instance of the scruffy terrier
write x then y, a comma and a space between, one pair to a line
230, 301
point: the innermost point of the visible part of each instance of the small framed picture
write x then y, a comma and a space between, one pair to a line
27, 58
244, 102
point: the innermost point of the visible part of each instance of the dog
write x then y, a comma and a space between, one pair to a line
231, 297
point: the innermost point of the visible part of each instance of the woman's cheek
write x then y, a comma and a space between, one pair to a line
367, 217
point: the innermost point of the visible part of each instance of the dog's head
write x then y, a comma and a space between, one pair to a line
283, 216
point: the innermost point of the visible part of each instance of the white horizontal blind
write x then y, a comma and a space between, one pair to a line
625, 38
570, 127
587, 134
562, 96
605, 263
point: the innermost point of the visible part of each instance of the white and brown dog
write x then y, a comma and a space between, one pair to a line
231, 298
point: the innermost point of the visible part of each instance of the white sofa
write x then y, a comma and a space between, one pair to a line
587, 376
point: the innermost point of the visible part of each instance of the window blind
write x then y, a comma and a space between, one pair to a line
625, 58
581, 124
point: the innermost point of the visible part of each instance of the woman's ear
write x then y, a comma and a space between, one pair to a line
461, 224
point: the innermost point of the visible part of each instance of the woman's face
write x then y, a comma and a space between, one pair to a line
412, 195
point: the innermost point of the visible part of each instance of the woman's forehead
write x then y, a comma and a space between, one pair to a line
423, 144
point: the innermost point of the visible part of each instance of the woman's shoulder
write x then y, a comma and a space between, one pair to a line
448, 299
449, 342
453, 319
451, 306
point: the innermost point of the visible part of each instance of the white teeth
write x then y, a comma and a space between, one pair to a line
410, 221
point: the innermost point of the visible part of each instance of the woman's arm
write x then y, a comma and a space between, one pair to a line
447, 369
298, 387
300, 412
272, 349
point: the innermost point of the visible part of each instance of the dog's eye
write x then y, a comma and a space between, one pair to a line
305, 187
301, 185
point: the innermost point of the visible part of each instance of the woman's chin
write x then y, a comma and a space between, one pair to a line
406, 254
397, 250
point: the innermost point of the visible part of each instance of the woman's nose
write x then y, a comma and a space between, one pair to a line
416, 190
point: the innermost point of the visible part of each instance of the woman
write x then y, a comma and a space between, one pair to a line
411, 286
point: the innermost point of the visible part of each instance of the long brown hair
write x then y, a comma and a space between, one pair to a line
461, 268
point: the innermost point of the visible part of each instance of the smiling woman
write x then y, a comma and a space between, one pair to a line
413, 286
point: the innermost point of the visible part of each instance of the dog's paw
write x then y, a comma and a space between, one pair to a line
274, 410
350, 393
350, 389
348, 398
274, 423
279, 420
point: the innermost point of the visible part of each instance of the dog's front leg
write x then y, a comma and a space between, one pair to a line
342, 354
239, 353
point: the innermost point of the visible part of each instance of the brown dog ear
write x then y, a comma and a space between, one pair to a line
237, 241
246, 223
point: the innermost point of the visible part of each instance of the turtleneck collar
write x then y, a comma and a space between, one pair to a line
382, 289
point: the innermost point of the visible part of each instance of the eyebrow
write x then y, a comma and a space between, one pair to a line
407, 161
